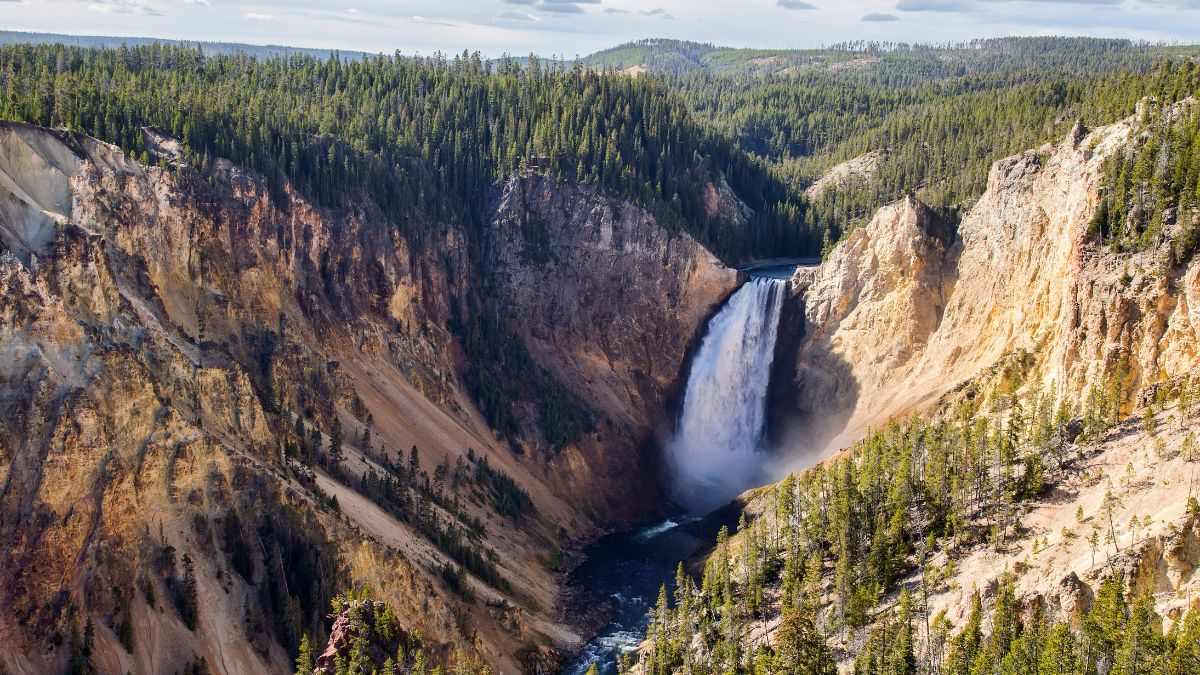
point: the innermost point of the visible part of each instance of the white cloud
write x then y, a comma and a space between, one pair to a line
512, 15
123, 7
255, 16
431, 22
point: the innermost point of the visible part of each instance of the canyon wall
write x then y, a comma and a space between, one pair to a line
609, 304
907, 308
167, 331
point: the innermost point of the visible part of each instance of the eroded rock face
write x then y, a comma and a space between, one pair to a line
607, 298
160, 329
146, 314
1073, 600
902, 312
609, 303
869, 311
95, 459
35, 197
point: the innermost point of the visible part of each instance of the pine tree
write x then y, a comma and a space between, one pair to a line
304, 658
1104, 625
800, 648
186, 597
1144, 648
335, 452
1060, 653
414, 466
1185, 657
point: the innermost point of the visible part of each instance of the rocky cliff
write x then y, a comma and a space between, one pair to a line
908, 307
868, 312
609, 303
183, 349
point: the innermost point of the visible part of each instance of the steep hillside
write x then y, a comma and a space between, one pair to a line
211, 389
1013, 399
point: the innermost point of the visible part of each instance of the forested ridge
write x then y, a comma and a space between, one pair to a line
938, 115
421, 137
898, 61
937, 136
428, 137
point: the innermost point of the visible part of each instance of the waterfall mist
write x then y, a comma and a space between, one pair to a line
717, 449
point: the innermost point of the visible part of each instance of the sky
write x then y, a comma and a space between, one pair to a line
569, 28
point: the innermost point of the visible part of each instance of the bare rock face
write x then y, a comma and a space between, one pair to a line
608, 302
1073, 600
900, 313
870, 309
35, 196
606, 298
1181, 554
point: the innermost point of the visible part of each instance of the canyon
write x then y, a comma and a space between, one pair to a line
224, 404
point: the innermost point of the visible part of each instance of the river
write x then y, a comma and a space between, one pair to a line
627, 570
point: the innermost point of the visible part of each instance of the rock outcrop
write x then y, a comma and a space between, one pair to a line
837, 176
904, 310
341, 638
606, 298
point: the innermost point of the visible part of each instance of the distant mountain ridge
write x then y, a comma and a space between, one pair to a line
681, 57
8, 37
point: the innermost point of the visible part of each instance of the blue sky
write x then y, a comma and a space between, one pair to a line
571, 27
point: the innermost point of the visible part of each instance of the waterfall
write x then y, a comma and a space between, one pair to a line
716, 452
